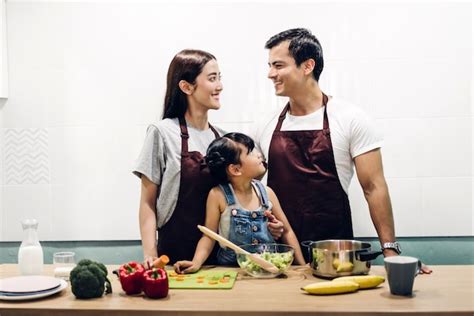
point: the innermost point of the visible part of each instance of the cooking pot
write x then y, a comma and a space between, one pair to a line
335, 258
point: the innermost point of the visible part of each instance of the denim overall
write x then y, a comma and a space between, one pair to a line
246, 227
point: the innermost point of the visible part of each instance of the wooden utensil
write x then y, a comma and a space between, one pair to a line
255, 258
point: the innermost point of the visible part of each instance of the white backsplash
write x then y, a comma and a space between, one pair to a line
86, 77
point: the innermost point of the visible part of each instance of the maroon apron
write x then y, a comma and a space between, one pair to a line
302, 172
178, 238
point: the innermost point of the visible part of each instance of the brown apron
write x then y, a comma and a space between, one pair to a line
178, 238
302, 172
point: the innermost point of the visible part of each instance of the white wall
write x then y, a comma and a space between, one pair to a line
87, 77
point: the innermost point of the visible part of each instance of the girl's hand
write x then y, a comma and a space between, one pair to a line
186, 267
148, 262
275, 226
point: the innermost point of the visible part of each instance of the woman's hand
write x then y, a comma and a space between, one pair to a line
186, 267
275, 226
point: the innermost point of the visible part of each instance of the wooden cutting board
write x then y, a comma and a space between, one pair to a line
202, 280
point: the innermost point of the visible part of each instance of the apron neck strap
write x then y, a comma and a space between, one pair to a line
214, 130
326, 120
185, 135
287, 108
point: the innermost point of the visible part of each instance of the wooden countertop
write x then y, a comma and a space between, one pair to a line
447, 291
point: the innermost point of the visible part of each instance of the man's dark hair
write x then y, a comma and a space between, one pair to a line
303, 46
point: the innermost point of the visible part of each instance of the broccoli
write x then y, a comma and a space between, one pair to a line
89, 279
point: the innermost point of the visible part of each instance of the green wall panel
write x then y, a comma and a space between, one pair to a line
431, 250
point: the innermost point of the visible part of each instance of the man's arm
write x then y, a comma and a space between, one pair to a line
370, 174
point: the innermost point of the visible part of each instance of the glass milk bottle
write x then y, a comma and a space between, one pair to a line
30, 255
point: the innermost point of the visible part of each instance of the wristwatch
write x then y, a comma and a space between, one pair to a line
392, 245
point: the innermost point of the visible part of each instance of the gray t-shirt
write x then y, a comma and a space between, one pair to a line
160, 160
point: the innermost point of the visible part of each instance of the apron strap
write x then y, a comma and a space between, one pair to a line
282, 117
326, 120
214, 130
287, 108
185, 135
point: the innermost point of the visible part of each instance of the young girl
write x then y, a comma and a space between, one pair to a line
237, 207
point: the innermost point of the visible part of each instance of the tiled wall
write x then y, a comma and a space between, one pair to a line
86, 78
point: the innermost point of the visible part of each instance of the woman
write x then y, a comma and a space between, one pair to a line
174, 182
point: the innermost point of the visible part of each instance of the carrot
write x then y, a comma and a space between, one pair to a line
161, 261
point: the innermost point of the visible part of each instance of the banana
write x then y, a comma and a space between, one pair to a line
345, 267
329, 287
364, 281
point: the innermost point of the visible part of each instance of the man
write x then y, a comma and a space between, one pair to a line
313, 145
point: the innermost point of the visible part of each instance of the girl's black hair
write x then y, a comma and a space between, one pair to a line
186, 65
224, 151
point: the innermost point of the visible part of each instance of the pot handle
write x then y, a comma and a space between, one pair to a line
365, 255
308, 244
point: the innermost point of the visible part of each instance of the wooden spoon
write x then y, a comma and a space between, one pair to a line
270, 267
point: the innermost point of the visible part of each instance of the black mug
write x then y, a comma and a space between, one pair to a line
401, 273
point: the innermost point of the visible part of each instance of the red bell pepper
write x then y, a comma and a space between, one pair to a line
156, 283
131, 277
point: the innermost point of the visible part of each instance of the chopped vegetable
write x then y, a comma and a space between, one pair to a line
281, 260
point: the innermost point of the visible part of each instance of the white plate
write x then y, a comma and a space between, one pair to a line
28, 283
62, 286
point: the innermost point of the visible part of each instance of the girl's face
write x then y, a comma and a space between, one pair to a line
251, 163
208, 86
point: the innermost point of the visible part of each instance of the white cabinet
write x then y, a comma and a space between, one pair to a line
3, 51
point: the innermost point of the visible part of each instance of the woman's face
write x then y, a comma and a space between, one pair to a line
208, 86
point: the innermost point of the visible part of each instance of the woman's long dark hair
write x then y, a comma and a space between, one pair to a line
186, 65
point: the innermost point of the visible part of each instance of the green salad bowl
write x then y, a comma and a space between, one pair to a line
280, 255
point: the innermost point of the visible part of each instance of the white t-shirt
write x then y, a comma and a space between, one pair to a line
352, 133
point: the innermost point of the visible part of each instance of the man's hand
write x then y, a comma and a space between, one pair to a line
275, 226
424, 269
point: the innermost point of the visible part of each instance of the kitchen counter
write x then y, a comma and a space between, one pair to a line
447, 291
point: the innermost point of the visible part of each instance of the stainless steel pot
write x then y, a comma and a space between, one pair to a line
335, 258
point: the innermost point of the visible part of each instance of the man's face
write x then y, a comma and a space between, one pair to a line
284, 73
